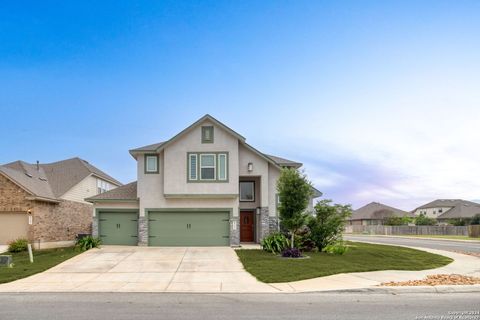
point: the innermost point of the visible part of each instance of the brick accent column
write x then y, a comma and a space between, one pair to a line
143, 231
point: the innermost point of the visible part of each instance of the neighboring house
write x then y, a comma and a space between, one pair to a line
448, 209
204, 187
45, 202
374, 214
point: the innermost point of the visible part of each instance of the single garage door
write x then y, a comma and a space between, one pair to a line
13, 225
189, 228
118, 228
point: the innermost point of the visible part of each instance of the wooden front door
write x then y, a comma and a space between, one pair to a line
246, 226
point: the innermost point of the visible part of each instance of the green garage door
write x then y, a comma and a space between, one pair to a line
120, 228
189, 228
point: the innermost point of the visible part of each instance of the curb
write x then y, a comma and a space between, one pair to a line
410, 289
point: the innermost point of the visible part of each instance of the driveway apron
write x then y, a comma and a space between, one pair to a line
145, 269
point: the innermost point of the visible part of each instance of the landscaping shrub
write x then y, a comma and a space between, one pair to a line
291, 253
87, 243
18, 245
336, 248
327, 225
423, 220
397, 221
460, 222
303, 240
275, 243
475, 220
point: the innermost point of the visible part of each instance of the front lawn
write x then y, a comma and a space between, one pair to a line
360, 257
43, 260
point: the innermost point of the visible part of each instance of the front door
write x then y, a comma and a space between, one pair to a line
246, 226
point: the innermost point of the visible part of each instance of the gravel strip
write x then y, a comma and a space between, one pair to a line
437, 280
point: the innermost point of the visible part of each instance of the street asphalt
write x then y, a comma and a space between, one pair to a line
119, 306
448, 245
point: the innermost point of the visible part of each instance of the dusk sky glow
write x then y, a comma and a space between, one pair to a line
379, 99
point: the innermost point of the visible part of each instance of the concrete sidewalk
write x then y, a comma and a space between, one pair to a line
205, 270
462, 264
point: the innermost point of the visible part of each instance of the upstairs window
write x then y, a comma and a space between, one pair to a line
222, 167
207, 134
247, 191
207, 167
102, 186
192, 166
151, 163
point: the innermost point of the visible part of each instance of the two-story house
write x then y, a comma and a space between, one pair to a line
445, 210
44, 202
204, 187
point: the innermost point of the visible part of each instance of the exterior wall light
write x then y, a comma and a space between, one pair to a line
250, 167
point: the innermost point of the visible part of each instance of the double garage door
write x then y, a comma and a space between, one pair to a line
178, 228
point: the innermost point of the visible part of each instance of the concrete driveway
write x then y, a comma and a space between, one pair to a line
145, 269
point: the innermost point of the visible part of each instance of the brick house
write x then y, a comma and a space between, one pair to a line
45, 202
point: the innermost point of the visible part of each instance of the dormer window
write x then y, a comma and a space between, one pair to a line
151, 163
207, 134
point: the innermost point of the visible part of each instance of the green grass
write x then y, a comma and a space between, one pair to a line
360, 257
43, 260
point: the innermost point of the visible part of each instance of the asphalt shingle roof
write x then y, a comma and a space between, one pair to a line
52, 180
125, 192
377, 211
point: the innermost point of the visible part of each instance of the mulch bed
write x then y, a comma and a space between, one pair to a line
437, 280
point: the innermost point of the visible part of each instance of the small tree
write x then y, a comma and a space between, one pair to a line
423, 220
327, 226
294, 191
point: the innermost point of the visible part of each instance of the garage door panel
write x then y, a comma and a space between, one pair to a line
118, 228
13, 225
189, 229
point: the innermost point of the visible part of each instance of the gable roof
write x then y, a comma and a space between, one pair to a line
439, 203
159, 146
285, 162
50, 181
459, 208
26, 175
377, 211
125, 192
462, 210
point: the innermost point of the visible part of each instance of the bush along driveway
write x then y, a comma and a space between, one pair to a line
43, 260
360, 257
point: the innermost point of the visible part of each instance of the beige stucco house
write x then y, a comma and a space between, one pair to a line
206, 186
45, 202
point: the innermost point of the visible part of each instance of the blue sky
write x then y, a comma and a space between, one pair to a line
379, 99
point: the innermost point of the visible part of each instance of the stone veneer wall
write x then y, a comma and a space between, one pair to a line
264, 223
142, 231
234, 233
